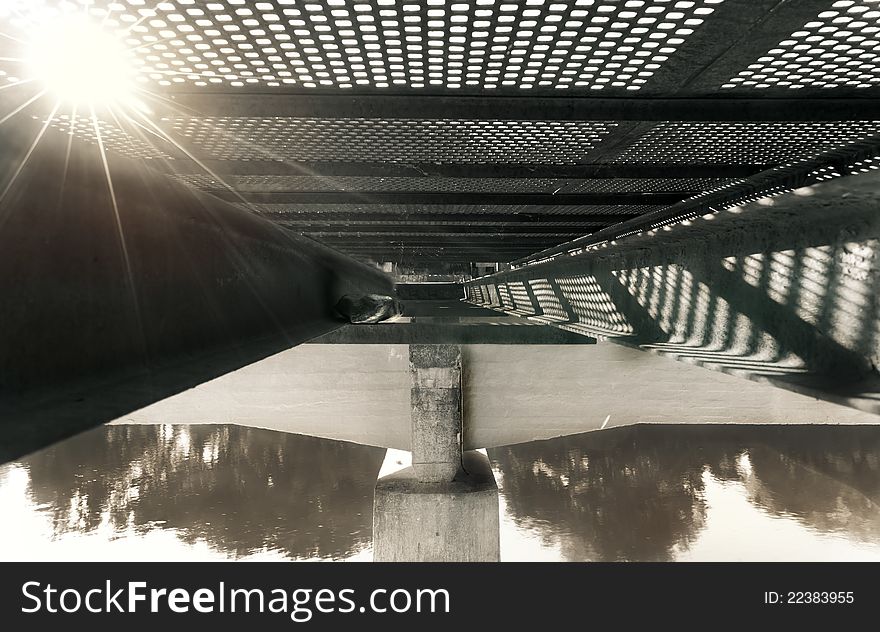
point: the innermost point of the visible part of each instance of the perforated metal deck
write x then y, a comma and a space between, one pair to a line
486, 130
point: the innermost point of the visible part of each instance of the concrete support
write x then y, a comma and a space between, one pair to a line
444, 508
453, 521
361, 393
435, 397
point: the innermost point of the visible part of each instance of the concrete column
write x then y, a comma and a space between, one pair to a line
455, 521
444, 508
435, 397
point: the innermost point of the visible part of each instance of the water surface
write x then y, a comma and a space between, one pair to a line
701, 493
189, 492
142, 492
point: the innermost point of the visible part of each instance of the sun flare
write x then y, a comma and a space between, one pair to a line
80, 63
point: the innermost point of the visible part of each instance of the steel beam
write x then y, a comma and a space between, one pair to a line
415, 246
430, 197
295, 219
286, 103
420, 255
458, 170
320, 232
436, 240
558, 235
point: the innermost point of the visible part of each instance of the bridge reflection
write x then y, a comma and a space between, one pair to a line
241, 490
647, 492
634, 493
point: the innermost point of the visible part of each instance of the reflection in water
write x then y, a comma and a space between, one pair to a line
221, 491
639, 493
695, 492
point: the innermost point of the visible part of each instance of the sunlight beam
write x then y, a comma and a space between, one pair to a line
22, 106
121, 235
17, 83
29, 153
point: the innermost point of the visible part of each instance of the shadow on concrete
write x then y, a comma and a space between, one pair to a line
783, 290
120, 288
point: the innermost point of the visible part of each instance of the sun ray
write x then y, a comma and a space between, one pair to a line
165, 101
184, 111
22, 106
268, 154
27, 20
12, 37
16, 84
107, 15
201, 165
68, 150
132, 287
21, 16
131, 121
151, 44
29, 152
239, 261
74, 113
122, 127
227, 76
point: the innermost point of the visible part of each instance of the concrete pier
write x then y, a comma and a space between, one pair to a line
435, 397
455, 521
444, 507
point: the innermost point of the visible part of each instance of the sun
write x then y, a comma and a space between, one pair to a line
80, 63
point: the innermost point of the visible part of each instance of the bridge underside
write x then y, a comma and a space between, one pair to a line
694, 179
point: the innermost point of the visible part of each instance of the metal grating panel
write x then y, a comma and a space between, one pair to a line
454, 185
393, 140
456, 111
581, 44
644, 185
860, 166
839, 48
521, 301
114, 138
744, 143
548, 299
